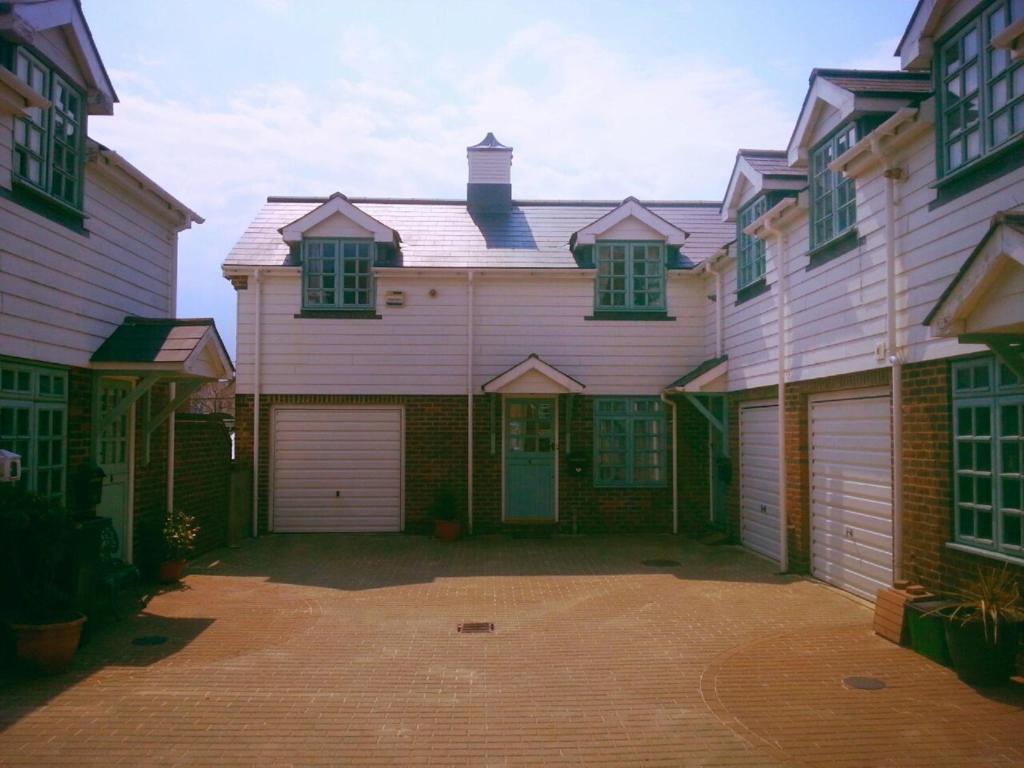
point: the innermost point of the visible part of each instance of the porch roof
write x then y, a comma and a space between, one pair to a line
174, 347
533, 376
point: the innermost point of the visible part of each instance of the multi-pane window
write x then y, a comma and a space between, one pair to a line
750, 249
630, 276
337, 274
980, 89
48, 143
988, 452
33, 424
833, 195
630, 441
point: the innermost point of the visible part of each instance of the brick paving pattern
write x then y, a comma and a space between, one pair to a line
343, 650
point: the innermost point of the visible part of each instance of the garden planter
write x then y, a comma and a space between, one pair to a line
49, 648
171, 571
447, 530
977, 661
928, 630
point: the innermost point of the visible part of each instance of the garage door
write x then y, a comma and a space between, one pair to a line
851, 492
337, 469
759, 478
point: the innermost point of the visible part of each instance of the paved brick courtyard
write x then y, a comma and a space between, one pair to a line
337, 650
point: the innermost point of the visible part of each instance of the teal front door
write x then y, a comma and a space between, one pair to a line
530, 452
113, 454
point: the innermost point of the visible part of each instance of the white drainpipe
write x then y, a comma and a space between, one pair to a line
256, 408
469, 400
675, 463
781, 244
719, 311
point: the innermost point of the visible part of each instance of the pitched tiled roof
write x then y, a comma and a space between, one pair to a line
881, 82
154, 340
443, 233
699, 371
771, 162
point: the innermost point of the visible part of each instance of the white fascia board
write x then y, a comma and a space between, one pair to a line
822, 93
733, 192
194, 364
631, 208
337, 204
533, 363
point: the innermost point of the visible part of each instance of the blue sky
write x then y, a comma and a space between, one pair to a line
224, 102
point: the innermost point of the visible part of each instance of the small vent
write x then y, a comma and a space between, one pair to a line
149, 640
863, 683
658, 563
476, 628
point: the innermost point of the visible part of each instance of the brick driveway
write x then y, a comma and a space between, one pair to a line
336, 650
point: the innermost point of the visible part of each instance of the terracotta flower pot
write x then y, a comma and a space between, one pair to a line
447, 530
50, 648
170, 571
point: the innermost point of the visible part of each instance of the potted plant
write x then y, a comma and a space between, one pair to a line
444, 511
983, 627
178, 539
36, 535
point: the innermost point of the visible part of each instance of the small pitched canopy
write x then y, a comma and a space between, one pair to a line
630, 208
533, 377
22, 21
852, 93
171, 347
339, 217
763, 170
709, 376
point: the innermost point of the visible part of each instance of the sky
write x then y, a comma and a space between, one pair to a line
224, 102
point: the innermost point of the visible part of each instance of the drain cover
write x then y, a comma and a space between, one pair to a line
657, 563
476, 627
149, 640
863, 683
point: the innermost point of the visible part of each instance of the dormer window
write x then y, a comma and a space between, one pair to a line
750, 249
48, 143
833, 195
630, 276
337, 274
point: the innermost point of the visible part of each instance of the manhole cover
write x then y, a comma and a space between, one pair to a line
476, 627
149, 640
658, 563
863, 683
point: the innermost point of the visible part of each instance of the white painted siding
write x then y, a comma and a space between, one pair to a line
490, 167
631, 229
421, 348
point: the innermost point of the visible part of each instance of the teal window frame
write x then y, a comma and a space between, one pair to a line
833, 195
337, 273
48, 145
34, 424
631, 439
750, 250
979, 90
626, 283
988, 456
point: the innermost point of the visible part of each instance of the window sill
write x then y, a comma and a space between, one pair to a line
661, 315
347, 314
833, 249
979, 173
991, 554
49, 208
752, 291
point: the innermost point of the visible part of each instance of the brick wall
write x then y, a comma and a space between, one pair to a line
150, 479
202, 475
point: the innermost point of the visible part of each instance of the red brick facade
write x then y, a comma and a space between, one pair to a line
202, 475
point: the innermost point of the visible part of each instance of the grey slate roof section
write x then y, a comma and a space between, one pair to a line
443, 233
771, 162
155, 340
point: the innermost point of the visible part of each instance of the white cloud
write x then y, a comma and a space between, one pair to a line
879, 57
585, 120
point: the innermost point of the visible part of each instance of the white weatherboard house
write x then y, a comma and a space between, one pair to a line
92, 360
827, 365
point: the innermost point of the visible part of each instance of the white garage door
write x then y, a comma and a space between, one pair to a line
851, 492
759, 478
337, 469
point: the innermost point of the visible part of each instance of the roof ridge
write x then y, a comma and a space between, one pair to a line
450, 201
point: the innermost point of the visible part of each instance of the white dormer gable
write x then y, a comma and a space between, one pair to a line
824, 99
630, 216
533, 377
24, 22
337, 217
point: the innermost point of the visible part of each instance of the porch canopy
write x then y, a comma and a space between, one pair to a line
704, 388
984, 303
533, 376
187, 352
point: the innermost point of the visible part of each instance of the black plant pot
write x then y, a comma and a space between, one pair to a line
978, 661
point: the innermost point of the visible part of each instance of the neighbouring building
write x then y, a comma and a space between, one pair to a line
93, 362
827, 365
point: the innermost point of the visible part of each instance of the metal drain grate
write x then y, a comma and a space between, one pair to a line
149, 640
659, 563
476, 628
863, 683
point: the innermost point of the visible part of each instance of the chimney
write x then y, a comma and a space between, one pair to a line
490, 177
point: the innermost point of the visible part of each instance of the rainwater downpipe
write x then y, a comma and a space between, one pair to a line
781, 244
892, 174
675, 462
719, 351
469, 400
256, 407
